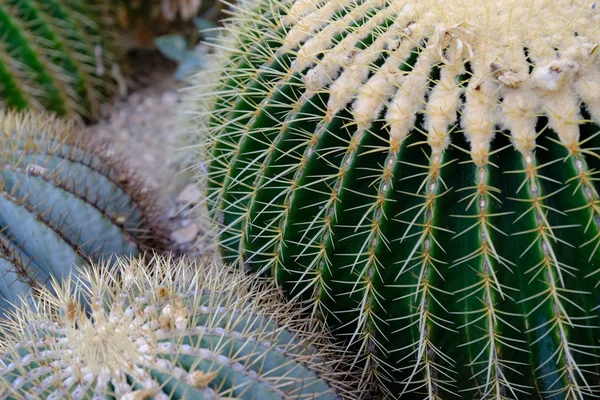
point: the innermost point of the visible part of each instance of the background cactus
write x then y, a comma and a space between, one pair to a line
147, 10
424, 175
182, 331
56, 55
63, 202
152, 18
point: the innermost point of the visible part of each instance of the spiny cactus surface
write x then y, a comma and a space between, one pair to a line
183, 331
423, 173
56, 55
63, 202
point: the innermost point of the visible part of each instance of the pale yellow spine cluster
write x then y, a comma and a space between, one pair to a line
490, 35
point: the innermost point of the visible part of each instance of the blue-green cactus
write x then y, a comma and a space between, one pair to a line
62, 203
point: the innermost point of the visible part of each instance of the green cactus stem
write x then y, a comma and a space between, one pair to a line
63, 202
423, 175
183, 331
56, 55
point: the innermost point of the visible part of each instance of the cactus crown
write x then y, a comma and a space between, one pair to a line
423, 173
169, 329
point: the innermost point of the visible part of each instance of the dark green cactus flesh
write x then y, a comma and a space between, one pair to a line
422, 174
63, 203
56, 55
183, 331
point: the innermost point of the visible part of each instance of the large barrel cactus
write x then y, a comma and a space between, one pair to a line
183, 331
423, 174
56, 55
63, 202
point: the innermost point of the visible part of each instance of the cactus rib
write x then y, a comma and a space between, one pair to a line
58, 56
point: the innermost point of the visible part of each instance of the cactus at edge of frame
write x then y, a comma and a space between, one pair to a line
57, 55
423, 175
168, 329
64, 202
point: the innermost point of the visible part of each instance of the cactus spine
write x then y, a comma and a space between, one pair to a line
63, 203
422, 174
181, 331
56, 55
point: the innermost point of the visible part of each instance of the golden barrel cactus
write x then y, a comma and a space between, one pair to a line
167, 329
422, 174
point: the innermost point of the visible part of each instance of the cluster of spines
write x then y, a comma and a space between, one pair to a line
302, 76
57, 55
169, 329
63, 190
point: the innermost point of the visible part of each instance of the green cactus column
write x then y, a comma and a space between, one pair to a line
422, 174
183, 331
56, 55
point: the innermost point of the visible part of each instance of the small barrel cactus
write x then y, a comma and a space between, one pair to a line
56, 55
423, 174
182, 331
63, 203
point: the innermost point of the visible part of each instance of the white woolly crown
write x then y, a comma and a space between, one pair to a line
491, 35
500, 39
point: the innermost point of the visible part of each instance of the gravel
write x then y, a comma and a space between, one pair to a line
143, 127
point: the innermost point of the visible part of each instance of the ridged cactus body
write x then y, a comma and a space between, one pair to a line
56, 55
422, 174
63, 203
181, 331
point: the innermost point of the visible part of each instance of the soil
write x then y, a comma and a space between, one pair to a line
142, 125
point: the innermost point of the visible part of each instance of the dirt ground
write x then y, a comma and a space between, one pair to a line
143, 126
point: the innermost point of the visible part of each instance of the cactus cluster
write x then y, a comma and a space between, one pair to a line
422, 174
64, 203
167, 329
56, 55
